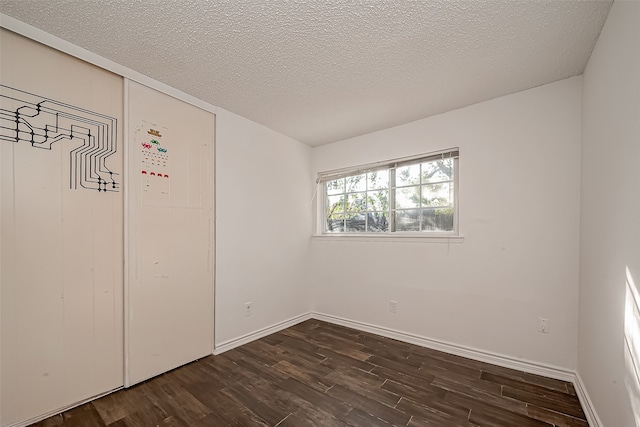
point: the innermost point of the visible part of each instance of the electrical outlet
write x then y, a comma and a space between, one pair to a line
393, 307
543, 325
248, 308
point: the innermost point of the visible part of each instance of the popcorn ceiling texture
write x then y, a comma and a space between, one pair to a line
324, 70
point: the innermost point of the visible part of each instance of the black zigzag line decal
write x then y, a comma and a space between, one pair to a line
41, 122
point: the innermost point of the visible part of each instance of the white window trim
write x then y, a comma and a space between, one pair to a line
414, 237
430, 236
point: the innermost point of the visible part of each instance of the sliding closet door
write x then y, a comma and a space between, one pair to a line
61, 229
170, 233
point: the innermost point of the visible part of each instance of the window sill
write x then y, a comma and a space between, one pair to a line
395, 237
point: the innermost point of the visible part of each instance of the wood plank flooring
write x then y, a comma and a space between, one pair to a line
320, 374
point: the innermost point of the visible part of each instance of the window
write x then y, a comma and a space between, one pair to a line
410, 195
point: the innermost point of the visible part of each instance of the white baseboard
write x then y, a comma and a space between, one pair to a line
587, 404
455, 349
528, 366
260, 333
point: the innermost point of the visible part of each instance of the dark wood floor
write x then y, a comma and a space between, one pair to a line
319, 374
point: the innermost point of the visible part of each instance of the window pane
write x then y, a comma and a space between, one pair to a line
440, 219
421, 200
335, 186
437, 195
408, 220
356, 183
356, 222
378, 200
378, 179
377, 222
437, 170
335, 204
356, 202
408, 197
335, 223
408, 175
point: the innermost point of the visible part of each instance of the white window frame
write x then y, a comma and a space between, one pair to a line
324, 177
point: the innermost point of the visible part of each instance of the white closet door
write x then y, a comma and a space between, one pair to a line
61, 230
170, 233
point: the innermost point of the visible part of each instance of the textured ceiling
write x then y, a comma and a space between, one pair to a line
324, 70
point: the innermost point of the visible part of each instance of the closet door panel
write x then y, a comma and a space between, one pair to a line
170, 238
61, 230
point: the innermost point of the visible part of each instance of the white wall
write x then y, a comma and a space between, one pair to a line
610, 232
262, 226
519, 213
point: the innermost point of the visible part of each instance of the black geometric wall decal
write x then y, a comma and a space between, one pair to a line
42, 122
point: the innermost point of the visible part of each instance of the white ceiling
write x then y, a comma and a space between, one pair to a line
324, 70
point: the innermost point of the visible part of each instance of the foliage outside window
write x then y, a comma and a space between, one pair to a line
406, 195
